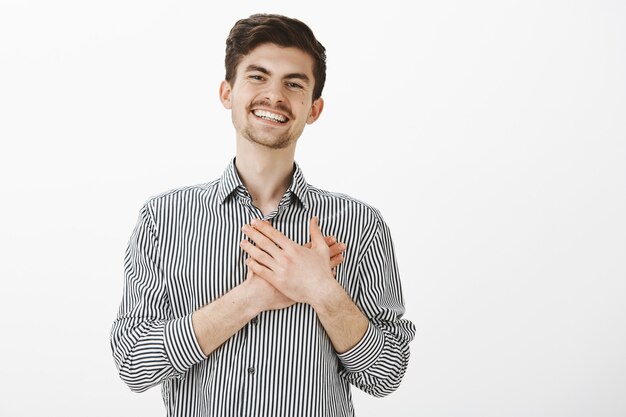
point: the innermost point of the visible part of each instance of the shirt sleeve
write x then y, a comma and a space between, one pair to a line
149, 345
378, 362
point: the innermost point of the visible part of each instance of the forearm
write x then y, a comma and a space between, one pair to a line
378, 363
148, 352
373, 349
218, 321
343, 321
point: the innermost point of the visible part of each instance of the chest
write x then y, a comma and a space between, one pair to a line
202, 259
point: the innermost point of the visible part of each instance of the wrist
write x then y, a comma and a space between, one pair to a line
327, 296
247, 292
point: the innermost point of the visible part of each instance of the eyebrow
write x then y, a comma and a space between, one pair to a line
296, 75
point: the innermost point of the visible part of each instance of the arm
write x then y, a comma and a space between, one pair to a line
218, 321
378, 362
343, 321
150, 345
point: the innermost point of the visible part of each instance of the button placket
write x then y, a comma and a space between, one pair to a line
252, 365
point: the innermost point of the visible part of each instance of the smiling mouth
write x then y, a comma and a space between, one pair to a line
267, 115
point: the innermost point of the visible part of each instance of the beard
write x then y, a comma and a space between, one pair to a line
280, 142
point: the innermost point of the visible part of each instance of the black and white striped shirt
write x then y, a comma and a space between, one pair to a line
184, 253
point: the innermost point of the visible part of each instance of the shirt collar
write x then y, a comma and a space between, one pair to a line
230, 182
299, 186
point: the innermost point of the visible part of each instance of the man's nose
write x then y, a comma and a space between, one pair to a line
274, 92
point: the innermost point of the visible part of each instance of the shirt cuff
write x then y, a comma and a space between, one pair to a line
366, 352
181, 345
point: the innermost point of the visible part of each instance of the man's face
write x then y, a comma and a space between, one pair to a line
272, 96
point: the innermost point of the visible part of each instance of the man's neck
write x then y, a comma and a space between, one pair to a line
265, 172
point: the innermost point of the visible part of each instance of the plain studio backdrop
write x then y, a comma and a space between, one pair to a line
490, 134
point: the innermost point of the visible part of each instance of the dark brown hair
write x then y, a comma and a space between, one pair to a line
258, 29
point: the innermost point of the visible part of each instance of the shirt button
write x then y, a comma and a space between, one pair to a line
251, 370
254, 321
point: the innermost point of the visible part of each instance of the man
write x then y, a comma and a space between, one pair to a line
226, 302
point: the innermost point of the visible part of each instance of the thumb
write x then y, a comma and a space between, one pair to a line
316, 234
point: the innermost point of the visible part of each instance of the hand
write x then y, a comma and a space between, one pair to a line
296, 271
336, 251
264, 295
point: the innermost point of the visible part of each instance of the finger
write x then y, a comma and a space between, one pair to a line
336, 249
261, 240
316, 233
336, 260
330, 240
258, 269
258, 254
274, 235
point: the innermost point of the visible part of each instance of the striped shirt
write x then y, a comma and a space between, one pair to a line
184, 253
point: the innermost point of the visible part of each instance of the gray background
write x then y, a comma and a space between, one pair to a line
490, 134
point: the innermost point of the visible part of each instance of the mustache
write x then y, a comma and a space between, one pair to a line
278, 106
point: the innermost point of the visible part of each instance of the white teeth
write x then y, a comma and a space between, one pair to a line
270, 116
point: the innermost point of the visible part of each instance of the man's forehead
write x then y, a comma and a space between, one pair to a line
274, 58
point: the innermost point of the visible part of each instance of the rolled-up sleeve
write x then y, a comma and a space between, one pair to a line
148, 344
378, 362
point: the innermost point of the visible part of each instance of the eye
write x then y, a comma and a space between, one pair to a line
255, 77
294, 85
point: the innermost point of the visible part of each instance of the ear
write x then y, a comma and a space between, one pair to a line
316, 110
225, 93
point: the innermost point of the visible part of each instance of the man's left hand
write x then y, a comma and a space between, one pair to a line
299, 272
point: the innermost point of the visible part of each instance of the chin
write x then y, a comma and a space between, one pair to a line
273, 143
